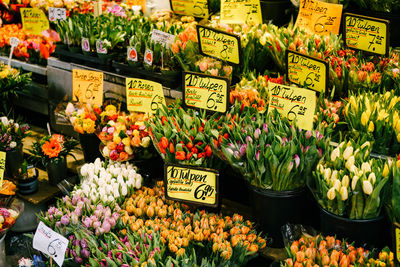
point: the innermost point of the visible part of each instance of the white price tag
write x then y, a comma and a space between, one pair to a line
57, 14
14, 43
85, 44
50, 243
99, 47
148, 57
162, 37
132, 54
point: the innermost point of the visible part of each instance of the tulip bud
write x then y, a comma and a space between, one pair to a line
343, 193
348, 152
257, 133
327, 174
337, 185
331, 194
353, 169
350, 162
345, 181
372, 178
364, 118
320, 167
385, 172
367, 187
334, 175
353, 103
354, 182
335, 154
371, 127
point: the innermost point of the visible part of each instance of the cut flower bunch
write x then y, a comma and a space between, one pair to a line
350, 184
12, 134
271, 153
83, 117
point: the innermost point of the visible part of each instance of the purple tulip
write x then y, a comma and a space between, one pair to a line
308, 134
51, 210
87, 222
78, 260
96, 225
58, 224
249, 140
65, 219
75, 243
106, 226
296, 160
258, 155
307, 148
115, 216
284, 140
73, 253
84, 243
85, 253
78, 212
109, 254
257, 133
319, 135
319, 152
236, 154
265, 128
71, 237
243, 149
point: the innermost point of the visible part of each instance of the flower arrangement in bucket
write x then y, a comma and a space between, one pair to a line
51, 151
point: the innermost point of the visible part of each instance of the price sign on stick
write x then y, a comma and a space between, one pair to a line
34, 20
294, 103
14, 43
50, 243
195, 8
219, 44
366, 33
2, 166
319, 17
205, 91
191, 184
239, 11
307, 71
57, 14
143, 95
87, 86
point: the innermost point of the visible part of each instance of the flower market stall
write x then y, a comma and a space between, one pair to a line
213, 133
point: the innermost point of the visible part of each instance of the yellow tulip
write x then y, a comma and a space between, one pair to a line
331, 194
116, 139
350, 162
387, 95
397, 125
136, 133
365, 144
364, 118
353, 103
345, 181
398, 163
327, 174
365, 167
385, 172
382, 115
371, 127
398, 137
343, 193
126, 141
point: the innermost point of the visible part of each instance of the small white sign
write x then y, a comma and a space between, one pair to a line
57, 14
14, 41
132, 54
50, 243
99, 47
148, 57
162, 37
85, 44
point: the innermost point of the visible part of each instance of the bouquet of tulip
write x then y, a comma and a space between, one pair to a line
223, 241
8, 217
329, 113
350, 184
185, 48
271, 153
11, 134
328, 251
84, 117
211, 66
393, 208
52, 148
124, 136
278, 40
108, 182
180, 136
375, 117
253, 91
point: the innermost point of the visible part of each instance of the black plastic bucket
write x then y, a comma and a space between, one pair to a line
14, 159
273, 209
233, 186
373, 232
90, 147
279, 11
57, 171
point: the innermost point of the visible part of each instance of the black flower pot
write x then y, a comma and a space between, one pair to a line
373, 232
27, 186
90, 147
14, 159
273, 209
57, 170
278, 11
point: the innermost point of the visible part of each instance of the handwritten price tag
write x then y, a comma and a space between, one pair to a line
161, 37
307, 71
366, 33
296, 104
219, 44
14, 43
57, 14
239, 11
87, 86
195, 8
319, 17
191, 184
2, 166
397, 241
205, 91
50, 243
143, 95
34, 20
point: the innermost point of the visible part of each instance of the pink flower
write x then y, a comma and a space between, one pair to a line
203, 66
395, 72
214, 72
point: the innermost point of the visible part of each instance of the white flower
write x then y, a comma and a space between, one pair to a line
337, 185
327, 174
353, 169
128, 150
116, 194
372, 178
110, 198
348, 152
354, 182
335, 154
331, 194
366, 144
124, 190
69, 109
350, 162
365, 167
138, 182
145, 141
106, 151
367, 187
16, 125
84, 170
13, 144
343, 193
345, 181
4, 121
334, 175
341, 145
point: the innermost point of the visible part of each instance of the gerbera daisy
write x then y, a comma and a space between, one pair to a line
51, 148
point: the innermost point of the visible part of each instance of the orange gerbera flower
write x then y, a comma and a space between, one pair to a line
51, 148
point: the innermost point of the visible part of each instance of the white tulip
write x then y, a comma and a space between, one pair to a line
345, 181
337, 185
124, 190
327, 174
4, 121
372, 178
366, 144
367, 187
341, 145
110, 198
354, 182
365, 167
335, 153
334, 175
353, 169
348, 152
13, 145
350, 161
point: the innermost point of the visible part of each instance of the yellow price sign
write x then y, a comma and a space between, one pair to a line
366, 33
143, 95
191, 184
34, 20
2, 166
195, 8
87, 86
294, 103
319, 17
239, 11
205, 91
219, 44
307, 71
